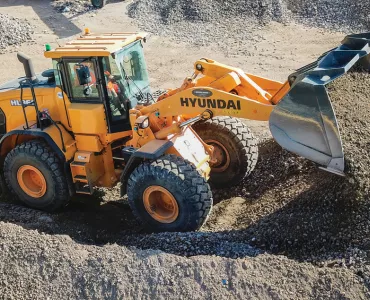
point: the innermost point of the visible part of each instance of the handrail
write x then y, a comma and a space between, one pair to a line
38, 113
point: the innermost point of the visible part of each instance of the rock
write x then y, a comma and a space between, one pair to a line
45, 219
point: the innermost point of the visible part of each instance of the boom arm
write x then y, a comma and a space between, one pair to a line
220, 103
224, 90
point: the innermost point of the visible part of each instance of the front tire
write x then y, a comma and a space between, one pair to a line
168, 194
235, 147
34, 174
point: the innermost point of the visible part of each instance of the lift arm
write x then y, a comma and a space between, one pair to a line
196, 100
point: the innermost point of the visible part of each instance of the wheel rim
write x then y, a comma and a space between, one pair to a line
31, 181
160, 204
221, 155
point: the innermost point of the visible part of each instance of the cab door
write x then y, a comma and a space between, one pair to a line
117, 103
82, 83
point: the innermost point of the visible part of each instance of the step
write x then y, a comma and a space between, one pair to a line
78, 163
81, 178
70, 143
83, 188
85, 191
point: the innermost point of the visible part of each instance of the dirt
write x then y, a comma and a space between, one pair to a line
286, 232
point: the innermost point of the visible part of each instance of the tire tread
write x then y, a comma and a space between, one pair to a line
41, 150
176, 169
242, 137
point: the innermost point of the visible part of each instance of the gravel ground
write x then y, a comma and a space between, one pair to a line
13, 32
55, 267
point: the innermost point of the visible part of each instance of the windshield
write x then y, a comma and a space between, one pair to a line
131, 63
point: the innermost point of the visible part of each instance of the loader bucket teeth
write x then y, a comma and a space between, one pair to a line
304, 121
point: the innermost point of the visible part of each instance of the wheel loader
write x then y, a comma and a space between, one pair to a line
93, 121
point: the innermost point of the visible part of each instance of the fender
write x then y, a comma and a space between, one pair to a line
150, 151
64, 158
56, 136
34, 133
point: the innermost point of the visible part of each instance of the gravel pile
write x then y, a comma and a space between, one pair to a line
350, 98
56, 267
73, 7
204, 22
345, 15
236, 22
13, 31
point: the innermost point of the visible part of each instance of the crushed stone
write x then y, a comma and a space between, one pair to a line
236, 22
42, 266
13, 32
342, 15
205, 22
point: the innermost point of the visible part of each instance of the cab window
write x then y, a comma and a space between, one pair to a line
133, 67
117, 99
82, 80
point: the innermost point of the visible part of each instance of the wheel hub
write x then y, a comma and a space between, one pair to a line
31, 181
220, 156
160, 204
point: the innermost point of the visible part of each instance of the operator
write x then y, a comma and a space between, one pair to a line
114, 90
112, 85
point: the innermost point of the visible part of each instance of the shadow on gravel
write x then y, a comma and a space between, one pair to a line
57, 22
288, 207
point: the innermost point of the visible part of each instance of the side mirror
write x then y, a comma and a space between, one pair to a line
83, 75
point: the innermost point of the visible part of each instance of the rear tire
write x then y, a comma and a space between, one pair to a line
175, 179
34, 174
236, 148
98, 3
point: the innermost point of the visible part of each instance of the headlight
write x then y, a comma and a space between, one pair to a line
142, 122
145, 124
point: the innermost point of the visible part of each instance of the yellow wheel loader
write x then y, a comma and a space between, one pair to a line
92, 121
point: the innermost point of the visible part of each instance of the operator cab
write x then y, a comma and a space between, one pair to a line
118, 79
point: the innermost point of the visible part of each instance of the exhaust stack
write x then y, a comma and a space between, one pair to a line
28, 67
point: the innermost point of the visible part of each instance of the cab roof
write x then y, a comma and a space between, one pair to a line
91, 44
